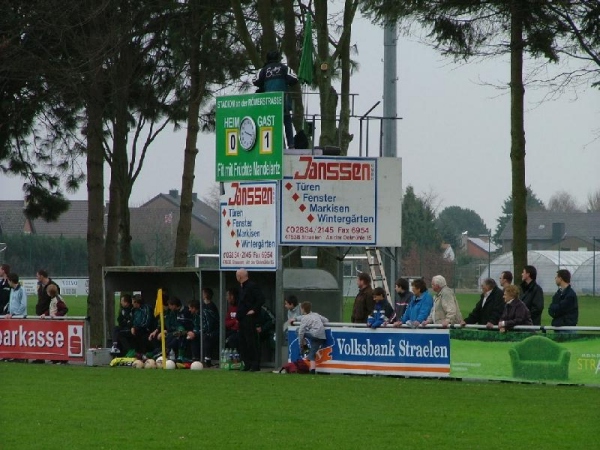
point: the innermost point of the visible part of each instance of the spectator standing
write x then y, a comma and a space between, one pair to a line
250, 301
506, 279
43, 304
383, 313
276, 76
57, 308
515, 311
445, 309
294, 312
419, 307
564, 308
489, 308
312, 328
404, 297
4, 289
17, 304
363, 303
532, 294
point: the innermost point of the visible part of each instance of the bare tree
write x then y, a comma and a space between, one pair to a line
213, 197
563, 201
593, 201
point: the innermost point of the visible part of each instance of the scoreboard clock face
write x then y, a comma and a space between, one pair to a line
247, 133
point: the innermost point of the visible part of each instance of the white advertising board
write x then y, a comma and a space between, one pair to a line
248, 229
341, 201
68, 286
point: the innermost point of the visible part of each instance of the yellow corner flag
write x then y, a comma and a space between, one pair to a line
158, 307
159, 311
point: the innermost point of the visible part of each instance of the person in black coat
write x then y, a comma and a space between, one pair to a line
250, 301
564, 308
532, 294
490, 306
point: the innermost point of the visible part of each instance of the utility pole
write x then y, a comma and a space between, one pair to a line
389, 131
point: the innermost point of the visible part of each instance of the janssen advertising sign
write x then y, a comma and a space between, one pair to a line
386, 351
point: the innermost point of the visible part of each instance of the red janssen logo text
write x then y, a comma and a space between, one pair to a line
334, 170
251, 195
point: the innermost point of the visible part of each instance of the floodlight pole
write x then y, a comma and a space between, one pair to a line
391, 265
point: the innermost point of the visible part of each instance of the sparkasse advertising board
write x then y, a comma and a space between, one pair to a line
59, 340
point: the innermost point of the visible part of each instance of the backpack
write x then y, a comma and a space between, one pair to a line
298, 366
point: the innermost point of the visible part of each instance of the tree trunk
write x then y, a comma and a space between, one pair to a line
125, 228
95, 233
197, 84
113, 221
288, 45
344, 55
327, 95
264, 8
517, 151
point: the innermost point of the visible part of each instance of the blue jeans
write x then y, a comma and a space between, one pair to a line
315, 346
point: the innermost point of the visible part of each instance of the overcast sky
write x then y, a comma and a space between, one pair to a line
454, 138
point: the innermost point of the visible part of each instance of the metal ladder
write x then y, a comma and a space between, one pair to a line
378, 277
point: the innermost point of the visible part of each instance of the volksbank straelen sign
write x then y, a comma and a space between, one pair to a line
249, 137
419, 352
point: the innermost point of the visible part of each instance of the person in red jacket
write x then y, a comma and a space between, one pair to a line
232, 326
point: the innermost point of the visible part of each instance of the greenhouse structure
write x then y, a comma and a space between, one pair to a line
583, 265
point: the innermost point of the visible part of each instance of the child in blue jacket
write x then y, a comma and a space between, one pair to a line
383, 313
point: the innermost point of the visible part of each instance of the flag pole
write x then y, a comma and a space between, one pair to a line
159, 311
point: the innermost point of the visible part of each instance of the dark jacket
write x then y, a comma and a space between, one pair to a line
402, 303
533, 297
382, 313
125, 319
363, 305
179, 321
210, 319
250, 298
515, 313
564, 308
275, 76
141, 317
4, 296
43, 305
490, 312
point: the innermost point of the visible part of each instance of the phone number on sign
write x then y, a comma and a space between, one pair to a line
321, 230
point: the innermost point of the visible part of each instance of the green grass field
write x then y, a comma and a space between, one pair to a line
75, 407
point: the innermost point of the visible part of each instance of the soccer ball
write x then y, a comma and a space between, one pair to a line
150, 364
138, 364
171, 364
196, 365
159, 362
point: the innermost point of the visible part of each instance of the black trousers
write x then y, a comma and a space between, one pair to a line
209, 345
249, 344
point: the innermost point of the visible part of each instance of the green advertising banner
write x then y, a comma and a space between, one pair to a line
565, 358
249, 137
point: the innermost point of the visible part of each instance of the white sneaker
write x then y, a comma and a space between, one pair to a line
114, 350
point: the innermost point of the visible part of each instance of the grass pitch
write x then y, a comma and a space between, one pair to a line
72, 407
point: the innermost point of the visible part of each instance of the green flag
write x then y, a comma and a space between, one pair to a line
305, 72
